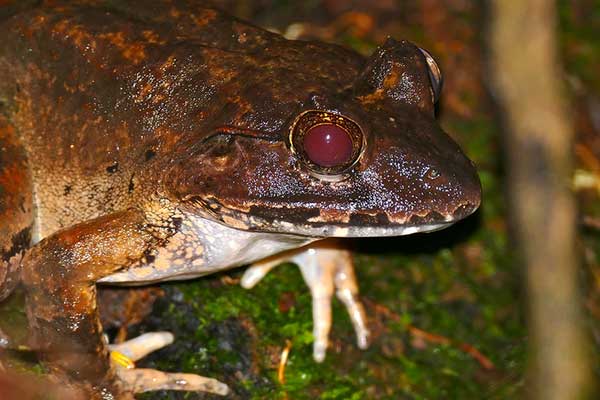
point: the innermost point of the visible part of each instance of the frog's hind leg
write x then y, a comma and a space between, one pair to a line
326, 268
59, 274
16, 216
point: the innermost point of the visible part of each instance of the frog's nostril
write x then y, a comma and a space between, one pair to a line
328, 145
433, 174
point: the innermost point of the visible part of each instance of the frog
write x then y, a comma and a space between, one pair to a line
169, 141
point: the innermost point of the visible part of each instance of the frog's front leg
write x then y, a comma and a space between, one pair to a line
326, 267
60, 274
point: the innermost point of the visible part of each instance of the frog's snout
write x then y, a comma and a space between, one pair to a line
468, 204
452, 188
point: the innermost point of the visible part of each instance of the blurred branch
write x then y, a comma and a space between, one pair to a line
485, 362
539, 139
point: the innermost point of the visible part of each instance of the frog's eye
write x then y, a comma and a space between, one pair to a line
435, 75
326, 143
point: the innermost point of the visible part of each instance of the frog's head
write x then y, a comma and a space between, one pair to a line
366, 159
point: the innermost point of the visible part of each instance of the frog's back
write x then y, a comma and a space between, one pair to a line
106, 93
101, 77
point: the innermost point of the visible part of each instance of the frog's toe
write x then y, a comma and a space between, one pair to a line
139, 347
138, 380
357, 316
321, 324
257, 271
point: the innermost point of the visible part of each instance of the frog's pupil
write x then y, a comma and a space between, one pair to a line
328, 145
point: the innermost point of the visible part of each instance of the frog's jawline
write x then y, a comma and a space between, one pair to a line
236, 220
353, 231
333, 224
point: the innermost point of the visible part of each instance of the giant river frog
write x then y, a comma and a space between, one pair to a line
168, 141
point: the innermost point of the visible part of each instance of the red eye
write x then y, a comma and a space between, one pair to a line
328, 145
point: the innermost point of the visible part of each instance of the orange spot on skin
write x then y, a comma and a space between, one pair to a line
205, 18
6, 130
12, 177
135, 53
152, 37
132, 51
38, 22
168, 64
391, 81
144, 92
372, 98
175, 13
32, 26
77, 34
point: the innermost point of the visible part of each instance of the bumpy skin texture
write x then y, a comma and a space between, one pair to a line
139, 133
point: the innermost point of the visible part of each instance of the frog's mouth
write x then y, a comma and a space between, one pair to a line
314, 222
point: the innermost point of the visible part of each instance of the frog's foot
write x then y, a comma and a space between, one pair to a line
325, 268
137, 380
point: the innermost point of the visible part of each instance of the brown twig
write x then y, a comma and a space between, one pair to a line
485, 362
